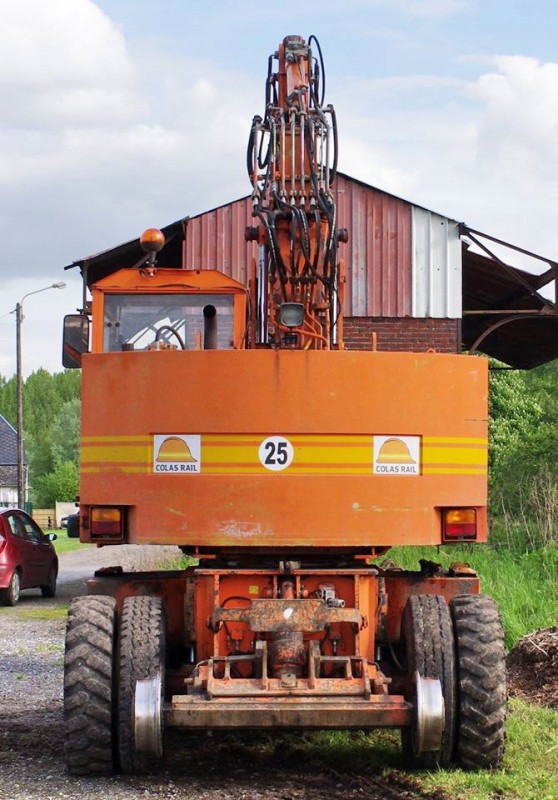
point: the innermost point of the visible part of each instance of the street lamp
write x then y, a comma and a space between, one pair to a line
19, 398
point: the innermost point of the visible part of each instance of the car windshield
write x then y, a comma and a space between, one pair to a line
133, 321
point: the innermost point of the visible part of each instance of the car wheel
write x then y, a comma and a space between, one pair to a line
49, 588
10, 596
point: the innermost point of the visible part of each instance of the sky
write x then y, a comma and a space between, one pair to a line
118, 115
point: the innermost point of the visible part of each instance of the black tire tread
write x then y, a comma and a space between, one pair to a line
88, 685
481, 678
49, 588
141, 655
7, 596
428, 633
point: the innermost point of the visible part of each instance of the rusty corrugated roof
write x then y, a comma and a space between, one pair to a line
504, 314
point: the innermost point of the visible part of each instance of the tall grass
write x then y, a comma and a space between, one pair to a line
523, 583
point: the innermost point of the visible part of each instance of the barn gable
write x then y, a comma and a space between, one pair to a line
414, 278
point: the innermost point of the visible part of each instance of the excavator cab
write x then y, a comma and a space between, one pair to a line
153, 309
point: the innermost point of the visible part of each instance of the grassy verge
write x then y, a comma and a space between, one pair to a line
63, 544
524, 584
530, 766
51, 613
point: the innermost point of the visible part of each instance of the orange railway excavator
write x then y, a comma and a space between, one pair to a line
230, 421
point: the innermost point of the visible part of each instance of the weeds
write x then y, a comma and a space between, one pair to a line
523, 583
528, 518
530, 762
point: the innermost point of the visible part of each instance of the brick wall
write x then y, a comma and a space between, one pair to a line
402, 333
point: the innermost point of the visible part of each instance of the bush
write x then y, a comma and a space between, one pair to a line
61, 484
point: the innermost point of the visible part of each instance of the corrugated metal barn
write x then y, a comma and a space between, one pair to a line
414, 279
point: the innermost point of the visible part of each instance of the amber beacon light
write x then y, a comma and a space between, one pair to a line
152, 240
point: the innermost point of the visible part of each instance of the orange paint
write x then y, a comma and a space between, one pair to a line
326, 410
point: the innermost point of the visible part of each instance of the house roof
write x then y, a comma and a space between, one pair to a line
8, 476
504, 313
8, 443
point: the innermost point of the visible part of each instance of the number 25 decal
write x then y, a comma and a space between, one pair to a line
276, 453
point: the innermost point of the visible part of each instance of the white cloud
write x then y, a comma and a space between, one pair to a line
520, 121
62, 41
62, 60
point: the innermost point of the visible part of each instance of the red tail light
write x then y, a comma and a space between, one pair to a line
459, 524
105, 523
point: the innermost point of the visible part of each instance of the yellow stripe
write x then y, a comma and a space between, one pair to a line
454, 440
454, 471
116, 439
315, 454
455, 455
113, 454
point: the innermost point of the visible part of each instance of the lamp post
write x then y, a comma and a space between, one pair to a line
21, 483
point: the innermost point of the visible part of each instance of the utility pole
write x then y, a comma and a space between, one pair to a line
21, 482
21, 473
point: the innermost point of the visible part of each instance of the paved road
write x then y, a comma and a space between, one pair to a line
76, 567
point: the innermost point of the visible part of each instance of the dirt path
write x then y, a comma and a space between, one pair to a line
243, 766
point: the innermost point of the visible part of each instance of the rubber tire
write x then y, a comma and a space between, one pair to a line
481, 680
141, 654
49, 589
11, 594
88, 685
427, 633
73, 528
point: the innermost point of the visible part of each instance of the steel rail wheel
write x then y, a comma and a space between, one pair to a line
141, 656
88, 685
428, 640
481, 681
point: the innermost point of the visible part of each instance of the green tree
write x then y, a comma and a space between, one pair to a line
514, 414
64, 433
60, 484
8, 399
51, 420
523, 446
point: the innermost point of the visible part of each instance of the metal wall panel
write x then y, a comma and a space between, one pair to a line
436, 266
215, 240
400, 260
378, 254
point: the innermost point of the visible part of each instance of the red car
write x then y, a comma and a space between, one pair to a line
28, 559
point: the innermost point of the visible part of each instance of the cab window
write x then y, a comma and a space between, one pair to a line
134, 321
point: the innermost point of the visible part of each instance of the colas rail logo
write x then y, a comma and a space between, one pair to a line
177, 453
396, 455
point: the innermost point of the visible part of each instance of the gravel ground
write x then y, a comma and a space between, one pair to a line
243, 766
